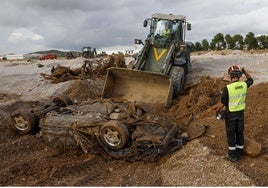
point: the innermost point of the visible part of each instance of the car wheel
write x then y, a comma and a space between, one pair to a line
23, 121
114, 135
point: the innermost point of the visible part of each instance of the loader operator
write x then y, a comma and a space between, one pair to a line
233, 98
166, 32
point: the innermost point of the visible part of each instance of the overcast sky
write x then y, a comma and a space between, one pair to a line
33, 25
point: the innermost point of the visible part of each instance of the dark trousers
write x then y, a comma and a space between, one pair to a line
235, 131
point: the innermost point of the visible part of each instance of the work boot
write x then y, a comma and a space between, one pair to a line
232, 156
239, 154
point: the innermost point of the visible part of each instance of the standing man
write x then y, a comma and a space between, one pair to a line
233, 98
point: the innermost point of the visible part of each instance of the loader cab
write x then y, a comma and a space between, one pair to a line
165, 41
163, 32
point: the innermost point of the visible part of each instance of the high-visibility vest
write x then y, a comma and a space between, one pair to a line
166, 33
237, 96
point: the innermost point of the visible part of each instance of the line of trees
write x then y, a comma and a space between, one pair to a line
236, 42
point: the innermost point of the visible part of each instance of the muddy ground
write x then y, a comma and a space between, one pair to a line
27, 161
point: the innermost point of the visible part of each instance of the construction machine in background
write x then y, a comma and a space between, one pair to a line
159, 69
69, 55
88, 52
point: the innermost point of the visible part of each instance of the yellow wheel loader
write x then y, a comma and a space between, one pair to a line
160, 67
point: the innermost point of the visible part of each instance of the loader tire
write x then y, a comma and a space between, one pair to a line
187, 67
114, 135
177, 75
23, 121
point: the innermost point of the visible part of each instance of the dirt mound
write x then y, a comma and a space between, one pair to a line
230, 52
196, 103
82, 90
221, 52
196, 100
194, 108
256, 113
93, 68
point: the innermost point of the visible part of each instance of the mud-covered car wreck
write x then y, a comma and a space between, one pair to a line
122, 130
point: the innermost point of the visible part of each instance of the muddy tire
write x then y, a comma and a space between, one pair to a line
177, 75
23, 121
187, 67
114, 135
62, 100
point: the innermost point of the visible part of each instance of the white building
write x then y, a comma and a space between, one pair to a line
14, 56
121, 49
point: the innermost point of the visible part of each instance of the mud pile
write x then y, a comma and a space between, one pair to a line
93, 68
83, 90
196, 101
194, 109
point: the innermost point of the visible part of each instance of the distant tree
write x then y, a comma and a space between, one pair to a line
205, 44
193, 47
239, 41
219, 42
229, 41
262, 41
198, 46
266, 42
251, 41
212, 45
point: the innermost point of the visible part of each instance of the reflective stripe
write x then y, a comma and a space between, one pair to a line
237, 96
232, 148
236, 103
239, 147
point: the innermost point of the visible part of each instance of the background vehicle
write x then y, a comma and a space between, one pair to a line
160, 67
87, 52
69, 55
48, 56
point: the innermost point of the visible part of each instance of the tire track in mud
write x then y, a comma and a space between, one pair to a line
4, 115
6, 132
21, 145
78, 169
18, 158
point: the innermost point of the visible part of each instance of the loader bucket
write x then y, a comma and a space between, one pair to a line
134, 85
